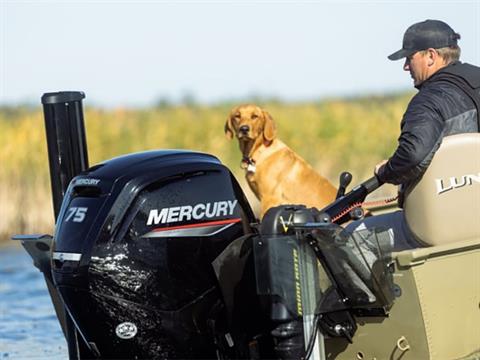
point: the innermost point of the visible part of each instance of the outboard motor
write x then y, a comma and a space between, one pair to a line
133, 248
133, 245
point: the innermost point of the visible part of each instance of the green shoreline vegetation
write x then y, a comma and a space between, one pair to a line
333, 135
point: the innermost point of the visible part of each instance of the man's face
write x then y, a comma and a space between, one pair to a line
417, 65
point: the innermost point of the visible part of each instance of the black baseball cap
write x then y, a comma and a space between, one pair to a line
424, 35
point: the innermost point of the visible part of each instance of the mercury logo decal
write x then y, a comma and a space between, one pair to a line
188, 212
87, 181
126, 330
454, 183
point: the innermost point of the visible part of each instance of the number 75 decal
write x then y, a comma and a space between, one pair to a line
76, 214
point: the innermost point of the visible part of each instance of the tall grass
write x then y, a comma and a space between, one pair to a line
332, 135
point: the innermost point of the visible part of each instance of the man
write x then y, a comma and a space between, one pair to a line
446, 104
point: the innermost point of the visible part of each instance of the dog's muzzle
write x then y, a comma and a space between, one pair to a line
243, 130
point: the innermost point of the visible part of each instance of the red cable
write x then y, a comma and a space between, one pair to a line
360, 204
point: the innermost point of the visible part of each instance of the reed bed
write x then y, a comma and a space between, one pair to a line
333, 135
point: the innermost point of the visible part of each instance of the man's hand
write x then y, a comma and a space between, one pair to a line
379, 166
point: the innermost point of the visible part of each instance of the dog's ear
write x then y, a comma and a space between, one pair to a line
269, 129
229, 128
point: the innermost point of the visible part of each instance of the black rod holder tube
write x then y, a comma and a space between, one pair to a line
67, 157
66, 140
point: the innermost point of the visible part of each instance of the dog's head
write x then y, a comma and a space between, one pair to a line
250, 123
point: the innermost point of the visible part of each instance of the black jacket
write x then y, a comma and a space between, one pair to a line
439, 109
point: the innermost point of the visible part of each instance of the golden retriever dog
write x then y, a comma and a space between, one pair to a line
274, 172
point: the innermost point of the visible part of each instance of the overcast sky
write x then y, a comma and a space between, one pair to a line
132, 53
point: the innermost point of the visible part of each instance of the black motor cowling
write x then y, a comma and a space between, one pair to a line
134, 243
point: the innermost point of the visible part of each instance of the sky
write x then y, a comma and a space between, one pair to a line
136, 53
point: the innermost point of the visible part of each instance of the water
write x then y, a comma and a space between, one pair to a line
28, 326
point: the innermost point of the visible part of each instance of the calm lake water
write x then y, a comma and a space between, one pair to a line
28, 326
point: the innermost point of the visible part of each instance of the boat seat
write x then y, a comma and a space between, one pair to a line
444, 206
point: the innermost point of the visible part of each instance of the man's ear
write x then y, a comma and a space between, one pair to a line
269, 128
433, 56
228, 128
